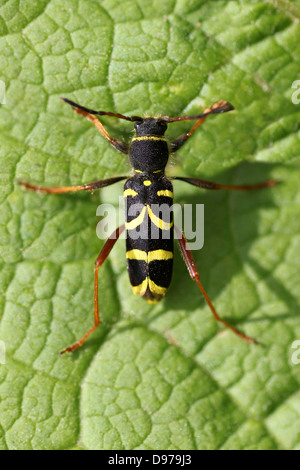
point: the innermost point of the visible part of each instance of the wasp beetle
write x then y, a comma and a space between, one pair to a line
149, 260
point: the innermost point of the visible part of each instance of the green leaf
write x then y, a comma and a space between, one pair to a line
165, 376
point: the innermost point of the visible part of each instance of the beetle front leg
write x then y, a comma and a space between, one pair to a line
219, 106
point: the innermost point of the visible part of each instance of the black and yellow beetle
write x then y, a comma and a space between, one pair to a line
149, 259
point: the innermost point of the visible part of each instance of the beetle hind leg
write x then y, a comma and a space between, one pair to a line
190, 263
99, 261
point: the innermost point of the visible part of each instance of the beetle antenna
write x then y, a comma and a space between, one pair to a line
218, 107
101, 113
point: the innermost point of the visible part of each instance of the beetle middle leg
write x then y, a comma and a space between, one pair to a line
67, 189
239, 187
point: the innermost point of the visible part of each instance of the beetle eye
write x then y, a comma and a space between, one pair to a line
162, 125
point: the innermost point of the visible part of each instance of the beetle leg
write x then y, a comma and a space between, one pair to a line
67, 189
191, 266
118, 144
211, 185
109, 244
219, 106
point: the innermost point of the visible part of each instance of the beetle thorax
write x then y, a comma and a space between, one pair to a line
149, 150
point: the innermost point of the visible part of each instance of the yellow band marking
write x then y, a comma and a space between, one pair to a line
138, 171
137, 221
141, 288
149, 137
153, 301
156, 220
147, 183
130, 192
155, 255
155, 289
157, 171
159, 255
137, 254
159, 222
165, 192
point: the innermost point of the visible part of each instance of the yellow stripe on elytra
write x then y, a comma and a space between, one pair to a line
159, 222
137, 254
165, 192
130, 192
159, 255
134, 223
155, 289
149, 137
147, 183
141, 288
137, 221
155, 255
